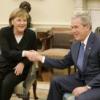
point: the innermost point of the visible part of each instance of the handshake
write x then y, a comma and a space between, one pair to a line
32, 55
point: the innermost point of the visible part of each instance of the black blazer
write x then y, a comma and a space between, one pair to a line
91, 73
12, 51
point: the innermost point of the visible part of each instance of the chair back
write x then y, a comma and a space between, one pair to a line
97, 30
62, 38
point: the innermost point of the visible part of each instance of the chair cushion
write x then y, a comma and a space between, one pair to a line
20, 91
19, 88
55, 52
68, 96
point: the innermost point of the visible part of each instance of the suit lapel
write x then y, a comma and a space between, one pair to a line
88, 49
75, 51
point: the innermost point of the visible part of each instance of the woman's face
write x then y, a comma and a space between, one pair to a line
20, 24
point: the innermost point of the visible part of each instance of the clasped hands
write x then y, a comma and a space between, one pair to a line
33, 55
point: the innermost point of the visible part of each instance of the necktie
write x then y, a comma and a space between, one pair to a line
81, 57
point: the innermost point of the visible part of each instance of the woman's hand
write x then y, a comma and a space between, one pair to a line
19, 69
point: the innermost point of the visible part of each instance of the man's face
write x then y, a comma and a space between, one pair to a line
79, 31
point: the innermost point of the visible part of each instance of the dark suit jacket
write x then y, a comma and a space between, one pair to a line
12, 51
91, 72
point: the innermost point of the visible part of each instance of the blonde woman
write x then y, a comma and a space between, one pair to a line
15, 39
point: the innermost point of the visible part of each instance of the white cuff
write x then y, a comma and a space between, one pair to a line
23, 53
43, 59
88, 87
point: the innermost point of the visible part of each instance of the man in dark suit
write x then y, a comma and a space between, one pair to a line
85, 84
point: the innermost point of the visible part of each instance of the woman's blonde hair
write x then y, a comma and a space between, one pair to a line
18, 13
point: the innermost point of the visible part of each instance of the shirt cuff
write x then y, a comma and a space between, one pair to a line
88, 87
43, 59
23, 53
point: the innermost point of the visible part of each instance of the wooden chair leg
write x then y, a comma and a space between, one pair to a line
69, 70
27, 97
75, 69
34, 89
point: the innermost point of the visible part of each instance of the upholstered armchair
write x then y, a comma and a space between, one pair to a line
97, 30
22, 89
68, 96
58, 43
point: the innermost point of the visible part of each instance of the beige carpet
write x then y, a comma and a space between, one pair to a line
42, 91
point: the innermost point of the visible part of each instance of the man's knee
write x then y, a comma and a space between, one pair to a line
55, 80
80, 98
83, 97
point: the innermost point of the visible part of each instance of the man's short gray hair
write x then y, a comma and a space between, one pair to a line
85, 18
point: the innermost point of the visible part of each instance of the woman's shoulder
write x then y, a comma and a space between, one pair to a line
30, 31
5, 29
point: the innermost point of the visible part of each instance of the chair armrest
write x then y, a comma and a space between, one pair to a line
46, 42
68, 96
46, 38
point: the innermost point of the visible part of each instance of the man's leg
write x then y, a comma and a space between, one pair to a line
60, 85
93, 94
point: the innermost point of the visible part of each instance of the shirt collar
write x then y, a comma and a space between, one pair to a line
86, 39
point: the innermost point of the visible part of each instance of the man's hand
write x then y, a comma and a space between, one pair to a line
79, 90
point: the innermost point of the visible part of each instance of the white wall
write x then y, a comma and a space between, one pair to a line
47, 12
94, 8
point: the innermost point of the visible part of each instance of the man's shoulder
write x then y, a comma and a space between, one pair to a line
97, 36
